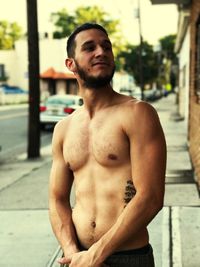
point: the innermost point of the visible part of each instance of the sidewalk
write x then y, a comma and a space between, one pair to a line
13, 106
26, 238
177, 225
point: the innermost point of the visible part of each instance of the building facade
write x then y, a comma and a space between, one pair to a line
14, 64
188, 50
194, 119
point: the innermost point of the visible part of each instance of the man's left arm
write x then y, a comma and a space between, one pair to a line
148, 160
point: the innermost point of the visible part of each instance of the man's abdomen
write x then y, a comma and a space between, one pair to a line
91, 223
91, 226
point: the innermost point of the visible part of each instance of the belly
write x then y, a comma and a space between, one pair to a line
92, 222
99, 203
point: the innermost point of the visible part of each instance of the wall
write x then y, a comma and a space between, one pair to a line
52, 54
184, 68
8, 58
21, 64
194, 123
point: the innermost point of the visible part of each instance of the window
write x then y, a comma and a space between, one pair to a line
2, 71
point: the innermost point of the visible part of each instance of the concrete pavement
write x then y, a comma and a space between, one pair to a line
26, 238
178, 222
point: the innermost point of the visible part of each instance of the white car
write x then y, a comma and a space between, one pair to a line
135, 93
57, 107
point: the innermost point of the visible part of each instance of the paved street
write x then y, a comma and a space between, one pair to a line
14, 131
26, 237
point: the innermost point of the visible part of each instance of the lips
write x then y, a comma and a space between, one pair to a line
101, 63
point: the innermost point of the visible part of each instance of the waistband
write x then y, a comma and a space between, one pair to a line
137, 251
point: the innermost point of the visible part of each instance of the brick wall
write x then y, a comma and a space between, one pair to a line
194, 119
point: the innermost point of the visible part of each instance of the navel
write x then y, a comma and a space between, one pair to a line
93, 224
112, 156
68, 165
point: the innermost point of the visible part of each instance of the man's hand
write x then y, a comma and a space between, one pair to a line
80, 259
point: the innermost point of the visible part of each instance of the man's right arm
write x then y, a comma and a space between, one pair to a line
60, 212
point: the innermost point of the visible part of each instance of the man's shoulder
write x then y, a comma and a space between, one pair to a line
133, 106
138, 114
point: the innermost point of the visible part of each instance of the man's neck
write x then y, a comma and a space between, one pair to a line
97, 99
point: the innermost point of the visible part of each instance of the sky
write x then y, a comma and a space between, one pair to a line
157, 21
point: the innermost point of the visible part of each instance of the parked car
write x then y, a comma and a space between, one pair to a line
126, 92
7, 89
152, 94
57, 107
136, 92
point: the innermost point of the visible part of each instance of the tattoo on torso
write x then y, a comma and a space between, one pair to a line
130, 192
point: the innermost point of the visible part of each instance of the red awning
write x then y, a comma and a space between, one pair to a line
52, 74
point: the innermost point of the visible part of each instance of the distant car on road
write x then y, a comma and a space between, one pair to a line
126, 92
7, 89
137, 93
152, 94
134, 93
57, 107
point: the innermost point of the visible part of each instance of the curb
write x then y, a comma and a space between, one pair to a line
54, 257
10, 107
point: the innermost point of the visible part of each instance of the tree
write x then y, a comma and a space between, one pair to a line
167, 46
9, 33
65, 23
130, 57
168, 64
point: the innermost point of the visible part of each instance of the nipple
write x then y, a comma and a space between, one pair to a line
112, 156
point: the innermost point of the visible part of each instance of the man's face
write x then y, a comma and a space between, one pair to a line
94, 58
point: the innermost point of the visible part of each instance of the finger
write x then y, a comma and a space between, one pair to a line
64, 260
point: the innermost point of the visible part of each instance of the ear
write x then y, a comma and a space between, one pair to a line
70, 64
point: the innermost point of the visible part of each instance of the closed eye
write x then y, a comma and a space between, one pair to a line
89, 48
107, 47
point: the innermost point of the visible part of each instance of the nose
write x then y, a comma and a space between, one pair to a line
99, 51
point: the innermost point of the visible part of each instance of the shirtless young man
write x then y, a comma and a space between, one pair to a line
113, 150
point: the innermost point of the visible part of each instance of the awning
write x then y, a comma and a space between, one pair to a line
52, 74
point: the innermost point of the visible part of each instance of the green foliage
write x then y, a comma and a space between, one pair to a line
65, 23
131, 59
168, 60
9, 33
167, 46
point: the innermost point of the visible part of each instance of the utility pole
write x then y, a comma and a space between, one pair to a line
140, 52
34, 88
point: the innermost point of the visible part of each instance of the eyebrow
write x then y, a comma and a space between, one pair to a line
92, 42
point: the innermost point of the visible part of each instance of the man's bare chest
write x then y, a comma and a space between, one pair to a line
102, 142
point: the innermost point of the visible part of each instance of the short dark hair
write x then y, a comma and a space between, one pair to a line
71, 40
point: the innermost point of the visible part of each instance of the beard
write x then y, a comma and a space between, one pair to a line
94, 82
